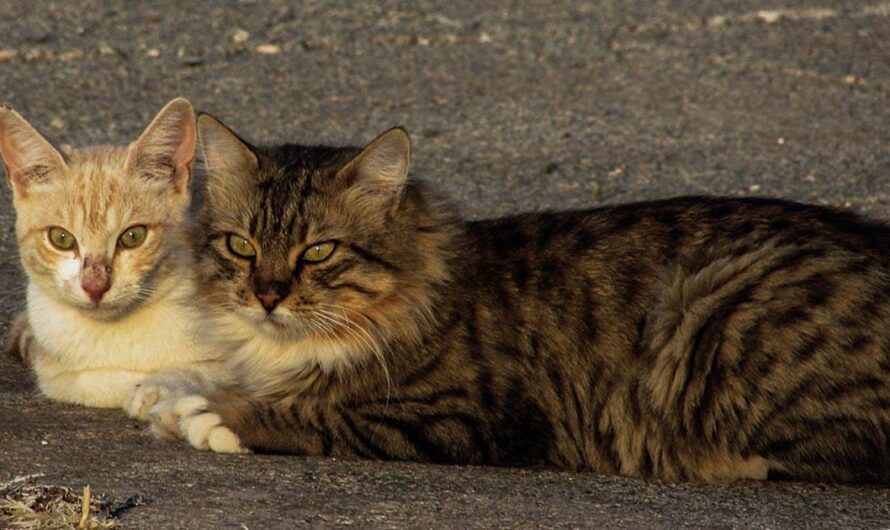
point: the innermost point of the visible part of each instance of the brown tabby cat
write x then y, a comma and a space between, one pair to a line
691, 338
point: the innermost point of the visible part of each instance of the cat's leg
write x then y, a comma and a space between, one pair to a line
105, 388
226, 421
20, 339
95, 388
194, 378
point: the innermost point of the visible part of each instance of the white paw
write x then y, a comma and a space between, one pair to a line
203, 429
163, 420
142, 398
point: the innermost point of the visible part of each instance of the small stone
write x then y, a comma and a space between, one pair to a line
240, 36
8, 54
770, 17
849, 79
153, 53
423, 41
754, 188
192, 60
71, 55
106, 51
717, 21
268, 49
484, 38
57, 123
780, 141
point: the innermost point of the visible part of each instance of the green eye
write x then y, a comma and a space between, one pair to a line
133, 236
61, 238
319, 252
240, 246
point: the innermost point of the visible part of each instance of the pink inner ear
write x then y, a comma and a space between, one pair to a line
185, 155
25, 153
13, 158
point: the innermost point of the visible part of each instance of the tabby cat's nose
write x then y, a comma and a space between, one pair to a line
269, 300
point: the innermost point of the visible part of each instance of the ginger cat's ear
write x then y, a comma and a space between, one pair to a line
28, 158
166, 150
381, 168
230, 163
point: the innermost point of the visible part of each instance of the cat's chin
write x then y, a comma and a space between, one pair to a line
107, 311
277, 327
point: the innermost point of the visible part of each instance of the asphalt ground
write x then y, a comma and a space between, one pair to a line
512, 106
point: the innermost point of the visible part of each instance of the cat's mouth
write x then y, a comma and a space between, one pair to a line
276, 324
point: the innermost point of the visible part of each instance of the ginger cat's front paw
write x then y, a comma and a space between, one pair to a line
20, 340
142, 399
190, 418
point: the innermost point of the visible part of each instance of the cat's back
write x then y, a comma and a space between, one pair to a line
629, 242
740, 326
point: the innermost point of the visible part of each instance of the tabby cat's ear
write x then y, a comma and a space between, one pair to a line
229, 161
381, 168
166, 150
28, 158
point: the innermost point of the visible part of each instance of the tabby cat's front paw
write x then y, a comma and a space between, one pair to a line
142, 398
204, 429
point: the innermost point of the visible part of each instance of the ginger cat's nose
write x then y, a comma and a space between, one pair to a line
95, 278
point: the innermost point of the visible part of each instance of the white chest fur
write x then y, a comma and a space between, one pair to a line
96, 363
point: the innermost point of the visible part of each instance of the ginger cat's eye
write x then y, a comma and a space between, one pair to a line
61, 238
133, 236
320, 251
240, 246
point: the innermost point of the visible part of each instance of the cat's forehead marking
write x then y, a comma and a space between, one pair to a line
282, 205
99, 175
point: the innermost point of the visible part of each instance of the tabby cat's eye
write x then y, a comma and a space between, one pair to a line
133, 236
61, 238
240, 246
320, 251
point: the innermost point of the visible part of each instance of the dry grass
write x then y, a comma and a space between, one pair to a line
25, 506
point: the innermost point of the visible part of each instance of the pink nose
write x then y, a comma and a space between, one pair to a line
269, 300
95, 288
95, 278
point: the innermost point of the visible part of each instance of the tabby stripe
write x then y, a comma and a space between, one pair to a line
810, 346
226, 268
802, 389
416, 436
334, 271
424, 371
375, 449
373, 258
322, 429
430, 399
353, 287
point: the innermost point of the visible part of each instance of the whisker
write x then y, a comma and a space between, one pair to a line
366, 339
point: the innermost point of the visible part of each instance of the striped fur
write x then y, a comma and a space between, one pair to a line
692, 338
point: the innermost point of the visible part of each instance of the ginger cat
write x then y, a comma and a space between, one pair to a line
102, 238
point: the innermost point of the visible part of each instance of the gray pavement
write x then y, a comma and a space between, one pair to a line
512, 105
